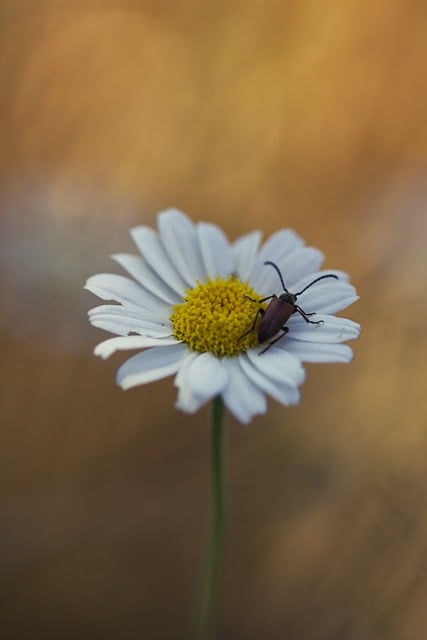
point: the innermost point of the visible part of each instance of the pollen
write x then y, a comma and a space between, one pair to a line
217, 316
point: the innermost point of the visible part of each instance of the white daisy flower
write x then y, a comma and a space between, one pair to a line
194, 307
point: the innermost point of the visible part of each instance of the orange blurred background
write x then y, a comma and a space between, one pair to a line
264, 115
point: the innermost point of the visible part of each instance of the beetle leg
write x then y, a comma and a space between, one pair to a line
260, 312
262, 299
270, 344
305, 315
267, 298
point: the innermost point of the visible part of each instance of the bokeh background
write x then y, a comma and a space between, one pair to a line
251, 115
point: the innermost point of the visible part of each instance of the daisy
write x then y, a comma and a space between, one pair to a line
233, 322
192, 306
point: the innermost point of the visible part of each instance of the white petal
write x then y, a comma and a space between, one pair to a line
106, 348
150, 365
339, 305
279, 367
333, 329
284, 393
245, 251
123, 326
329, 296
185, 397
306, 280
317, 351
216, 251
204, 378
243, 398
276, 249
111, 286
148, 242
140, 270
293, 267
299, 264
124, 320
179, 238
280, 244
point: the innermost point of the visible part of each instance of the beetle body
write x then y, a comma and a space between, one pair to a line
281, 308
275, 316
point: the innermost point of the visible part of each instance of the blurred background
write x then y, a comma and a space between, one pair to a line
251, 115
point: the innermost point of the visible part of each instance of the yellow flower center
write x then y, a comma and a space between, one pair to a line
217, 317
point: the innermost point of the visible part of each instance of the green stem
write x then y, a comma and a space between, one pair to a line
216, 535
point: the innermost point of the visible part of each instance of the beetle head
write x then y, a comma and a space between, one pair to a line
288, 297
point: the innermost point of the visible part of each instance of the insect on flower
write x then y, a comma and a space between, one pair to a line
185, 303
280, 309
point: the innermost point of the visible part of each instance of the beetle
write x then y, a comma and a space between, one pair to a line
280, 309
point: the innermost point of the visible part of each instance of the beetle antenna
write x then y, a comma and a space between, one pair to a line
329, 275
272, 264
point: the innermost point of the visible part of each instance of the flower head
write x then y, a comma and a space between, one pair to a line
193, 307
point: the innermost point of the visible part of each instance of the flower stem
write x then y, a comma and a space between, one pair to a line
213, 554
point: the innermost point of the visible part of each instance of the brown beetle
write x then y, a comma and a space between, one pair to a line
280, 309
